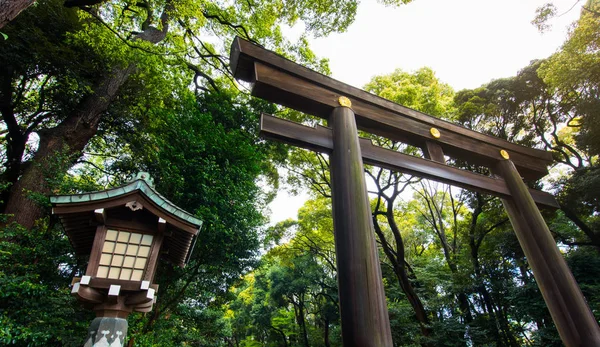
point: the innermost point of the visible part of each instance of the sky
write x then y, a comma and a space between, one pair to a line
466, 42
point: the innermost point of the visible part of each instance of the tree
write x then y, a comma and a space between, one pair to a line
526, 110
137, 51
422, 91
10, 9
546, 105
36, 309
212, 169
105, 86
572, 74
33, 101
291, 299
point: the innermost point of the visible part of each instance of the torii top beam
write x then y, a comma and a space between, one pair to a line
282, 81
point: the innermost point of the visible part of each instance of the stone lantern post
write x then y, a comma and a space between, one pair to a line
124, 231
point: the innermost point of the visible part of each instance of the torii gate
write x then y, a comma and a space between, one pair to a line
363, 309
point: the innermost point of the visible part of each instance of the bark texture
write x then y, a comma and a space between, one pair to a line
61, 146
9, 9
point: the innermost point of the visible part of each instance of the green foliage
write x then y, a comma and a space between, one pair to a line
120, 73
510, 108
420, 90
203, 149
36, 267
458, 253
549, 105
204, 155
460, 256
574, 73
291, 298
211, 169
49, 71
542, 15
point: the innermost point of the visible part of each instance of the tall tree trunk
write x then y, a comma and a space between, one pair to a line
474, 244
465, 307
485, 295
397, 261
281, 333
9, 9
510, 337
590, 233
15, 137
437, 223
326, 332
60, 147
302, 320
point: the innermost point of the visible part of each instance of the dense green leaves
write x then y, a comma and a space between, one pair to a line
291, 298
420, 90
106, 86
149, 85
35, 306
453, 269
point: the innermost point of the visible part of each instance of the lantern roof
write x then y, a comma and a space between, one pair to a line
135, 205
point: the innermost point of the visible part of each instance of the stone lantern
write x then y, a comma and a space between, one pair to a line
124, 231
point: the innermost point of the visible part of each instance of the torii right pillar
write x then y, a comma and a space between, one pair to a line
571, 314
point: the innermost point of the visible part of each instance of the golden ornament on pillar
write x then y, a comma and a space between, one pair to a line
344, 101
435, 133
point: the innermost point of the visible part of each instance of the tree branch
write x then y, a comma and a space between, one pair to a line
236, 27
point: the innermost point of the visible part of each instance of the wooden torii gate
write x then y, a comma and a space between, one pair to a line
363, 309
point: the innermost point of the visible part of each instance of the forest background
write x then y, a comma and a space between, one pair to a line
93, 91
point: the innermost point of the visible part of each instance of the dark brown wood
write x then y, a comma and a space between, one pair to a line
88, 294
282, 81
81, 228
96, 251
10, 9
162, 225
140, 298
572, 316
277, 86
100, 215
320, 139
433, 151
145, 307
130, 225
113, 307
105, 283
285, 82
363, 307
316, 138
152, 263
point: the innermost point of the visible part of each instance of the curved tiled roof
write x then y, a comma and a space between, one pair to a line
139, 184
79, 218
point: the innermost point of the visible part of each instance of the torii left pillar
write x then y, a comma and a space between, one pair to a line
363, 308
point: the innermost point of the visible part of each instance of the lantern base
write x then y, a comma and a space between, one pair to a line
107, 331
